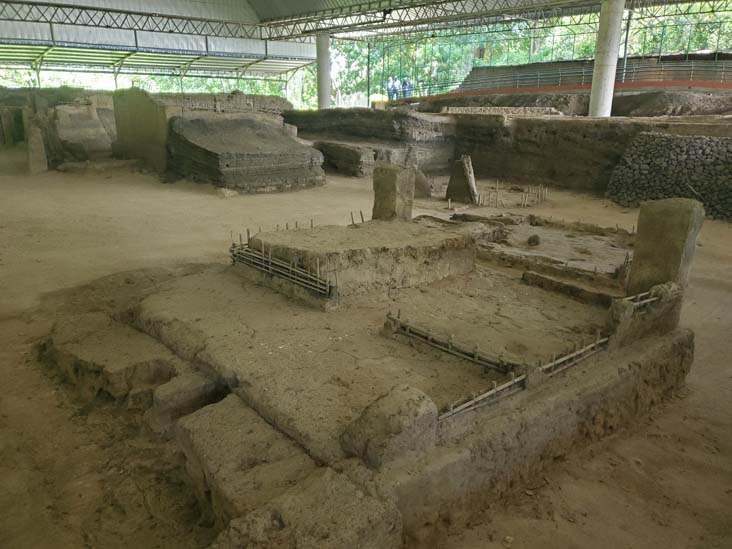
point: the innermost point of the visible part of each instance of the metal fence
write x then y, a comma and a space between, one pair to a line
702, 71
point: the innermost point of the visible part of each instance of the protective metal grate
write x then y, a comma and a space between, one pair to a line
262, 261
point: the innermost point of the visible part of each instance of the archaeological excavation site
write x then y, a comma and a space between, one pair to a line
343, 274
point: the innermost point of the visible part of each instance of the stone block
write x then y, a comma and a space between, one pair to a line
36, 150
461, 187
402, 421
81, 133
627, 323
346, 158
665, 244
8, 123
236, 461
290, 130
393, 193
102, 357
326, 511
422, 185
181, 395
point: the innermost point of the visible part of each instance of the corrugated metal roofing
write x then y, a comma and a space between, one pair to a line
218, 64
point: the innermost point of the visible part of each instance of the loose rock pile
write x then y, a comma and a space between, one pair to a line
656, 166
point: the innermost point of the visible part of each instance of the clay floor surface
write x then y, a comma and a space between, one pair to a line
75, 476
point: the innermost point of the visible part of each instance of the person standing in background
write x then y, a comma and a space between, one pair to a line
407, 88
397, 88
390, 88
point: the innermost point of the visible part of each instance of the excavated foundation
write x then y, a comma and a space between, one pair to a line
479, 456
438, 385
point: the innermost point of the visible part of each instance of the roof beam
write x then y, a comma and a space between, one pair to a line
372, 15
399, 16
64, 14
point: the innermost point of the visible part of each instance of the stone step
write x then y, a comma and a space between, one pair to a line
326, 511
104, 358
180, 396
236, 461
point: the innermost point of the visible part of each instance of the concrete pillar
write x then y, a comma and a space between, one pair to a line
606, 57
322, 53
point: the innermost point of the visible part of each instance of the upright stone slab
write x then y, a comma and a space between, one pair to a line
665, 244
422, 186
6, 115
461, 187
36, 149
393, 192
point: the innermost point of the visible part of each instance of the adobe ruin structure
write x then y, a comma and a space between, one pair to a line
409, 402
377, 382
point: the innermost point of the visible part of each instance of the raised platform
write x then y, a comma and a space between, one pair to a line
375, 255
246, 152
406, 138
334, 432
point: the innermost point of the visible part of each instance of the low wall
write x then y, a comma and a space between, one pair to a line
225, 102
575, 153
570, 152
393, 125
481, 457
629, 100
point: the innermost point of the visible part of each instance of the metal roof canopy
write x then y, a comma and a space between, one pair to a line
108, 39
118, 60
307, 17
288, 19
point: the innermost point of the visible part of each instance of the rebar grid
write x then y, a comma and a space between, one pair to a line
398, 326
263, 261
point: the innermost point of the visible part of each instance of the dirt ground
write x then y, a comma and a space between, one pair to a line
78, 477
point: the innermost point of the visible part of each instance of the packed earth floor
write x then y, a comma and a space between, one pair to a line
79, 476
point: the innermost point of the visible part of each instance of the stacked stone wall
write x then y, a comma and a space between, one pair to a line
657, 165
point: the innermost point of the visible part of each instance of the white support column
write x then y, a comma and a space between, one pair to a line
322, 53
606, 57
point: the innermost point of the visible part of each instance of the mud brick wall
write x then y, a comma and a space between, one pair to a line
394, 125
657, 165
226, 102
571, 152
398, 136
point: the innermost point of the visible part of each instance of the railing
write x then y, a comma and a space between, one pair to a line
398, 326
522, 382
704, 72
264, 262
